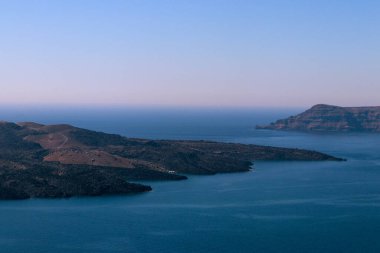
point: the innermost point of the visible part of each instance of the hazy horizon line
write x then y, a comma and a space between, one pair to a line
166, 106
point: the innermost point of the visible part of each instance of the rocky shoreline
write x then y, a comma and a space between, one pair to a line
329, 118
39, 161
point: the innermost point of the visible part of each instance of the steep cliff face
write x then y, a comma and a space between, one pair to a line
331, 118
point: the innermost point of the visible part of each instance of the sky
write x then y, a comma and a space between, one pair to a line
223, 53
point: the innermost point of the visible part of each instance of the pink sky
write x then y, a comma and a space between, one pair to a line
251, 53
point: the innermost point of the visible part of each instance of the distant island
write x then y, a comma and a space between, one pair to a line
50, 161
327, 118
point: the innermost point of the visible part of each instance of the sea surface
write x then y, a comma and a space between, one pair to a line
282, 207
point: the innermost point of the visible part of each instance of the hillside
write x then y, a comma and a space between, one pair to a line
62, 161
331, 118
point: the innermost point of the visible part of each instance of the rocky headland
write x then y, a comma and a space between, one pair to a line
327, 118
49, 161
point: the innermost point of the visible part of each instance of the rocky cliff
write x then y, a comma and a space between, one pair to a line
331, 118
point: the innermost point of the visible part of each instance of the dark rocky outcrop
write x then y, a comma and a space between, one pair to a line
49, 181
331, 118
63, 161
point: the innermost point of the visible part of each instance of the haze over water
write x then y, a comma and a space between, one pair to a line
277, 207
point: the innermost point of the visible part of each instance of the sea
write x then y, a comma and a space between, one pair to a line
285, 207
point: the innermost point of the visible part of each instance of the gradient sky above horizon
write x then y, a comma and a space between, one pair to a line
243, 53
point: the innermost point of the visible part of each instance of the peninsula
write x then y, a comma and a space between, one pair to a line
50, 161
327, 118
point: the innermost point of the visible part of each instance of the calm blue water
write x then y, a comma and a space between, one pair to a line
278, 207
